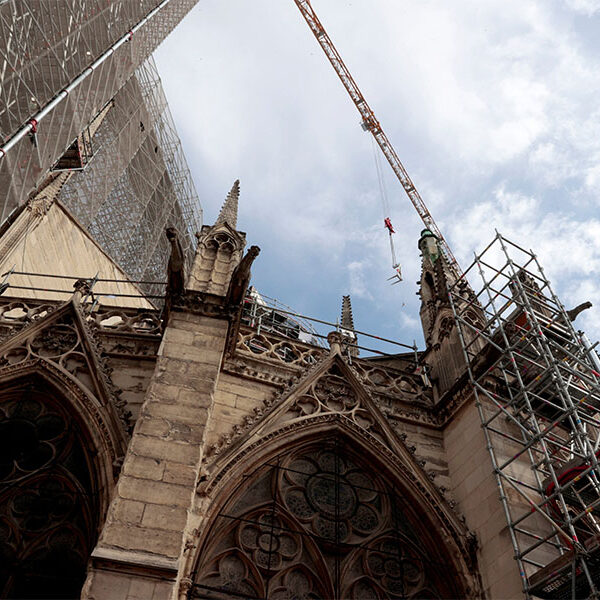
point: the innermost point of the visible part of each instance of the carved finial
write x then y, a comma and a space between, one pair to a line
347, 328
229, 209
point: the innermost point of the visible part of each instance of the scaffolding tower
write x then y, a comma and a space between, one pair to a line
536, 384
60, 63
82, 110
138, 181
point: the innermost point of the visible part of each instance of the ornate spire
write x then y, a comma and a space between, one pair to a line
347, 321
229, 209
347, 328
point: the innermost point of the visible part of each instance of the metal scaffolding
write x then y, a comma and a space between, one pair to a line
138, 181
536, 383
60, 63
79, 98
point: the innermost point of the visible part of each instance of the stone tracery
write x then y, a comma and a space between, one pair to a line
319, 522
49, 502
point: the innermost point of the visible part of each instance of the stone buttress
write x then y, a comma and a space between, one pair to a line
142, 542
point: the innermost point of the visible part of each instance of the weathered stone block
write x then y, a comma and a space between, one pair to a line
158, 541
171, 366
164, 517
128, 511
165, 392
179, 474
109, 585
178, 336
247, 403
179, 413
183, 432
225, 398
173, 451
210, 342
162, 591
241, 387
150, 425
141, 589
159, 493
194, 398
192, 353
143, 467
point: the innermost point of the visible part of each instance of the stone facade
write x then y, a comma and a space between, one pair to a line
216, 461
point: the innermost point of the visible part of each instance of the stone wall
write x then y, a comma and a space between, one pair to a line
474, 487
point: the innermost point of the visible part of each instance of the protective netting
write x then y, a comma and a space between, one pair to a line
135, 181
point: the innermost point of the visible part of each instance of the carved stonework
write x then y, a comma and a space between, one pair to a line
219, 251
203, 304
279, 350
258, 371
331, 393
400, 385
64, 338
16, 314
115, 320
446, 326
39, 206
320, 522
56, 341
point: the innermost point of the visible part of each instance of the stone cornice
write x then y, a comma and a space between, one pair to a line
127, 561
204, 304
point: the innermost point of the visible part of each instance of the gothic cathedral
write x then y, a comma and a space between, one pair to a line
183, 453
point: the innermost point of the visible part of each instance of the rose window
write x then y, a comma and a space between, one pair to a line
334, 498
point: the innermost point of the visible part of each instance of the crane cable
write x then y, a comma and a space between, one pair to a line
385, 205
380, 180
370, 123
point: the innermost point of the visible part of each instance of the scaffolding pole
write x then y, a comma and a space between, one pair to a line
536, 387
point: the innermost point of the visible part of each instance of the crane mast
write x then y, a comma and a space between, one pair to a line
370, 123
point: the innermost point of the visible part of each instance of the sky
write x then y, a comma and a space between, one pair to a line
491, 106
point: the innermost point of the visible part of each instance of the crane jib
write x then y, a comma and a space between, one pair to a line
370, 123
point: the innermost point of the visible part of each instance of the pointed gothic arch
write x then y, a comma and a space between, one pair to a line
330, 514
57, 468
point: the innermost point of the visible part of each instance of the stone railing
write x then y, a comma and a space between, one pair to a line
17, 313
278, 349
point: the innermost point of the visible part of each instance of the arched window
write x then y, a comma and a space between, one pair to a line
49, 500
322, 521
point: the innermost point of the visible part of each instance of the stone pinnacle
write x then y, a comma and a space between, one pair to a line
229, 209
347, 321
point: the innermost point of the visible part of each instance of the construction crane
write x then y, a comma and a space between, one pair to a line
370, 123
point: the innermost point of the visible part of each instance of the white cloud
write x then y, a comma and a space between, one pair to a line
357, 272
492, 107
586, 7
408, 321
568, 249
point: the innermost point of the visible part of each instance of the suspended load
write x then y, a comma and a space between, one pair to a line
397, 276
